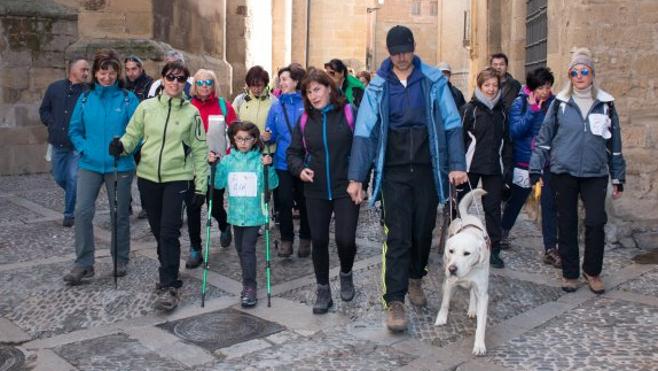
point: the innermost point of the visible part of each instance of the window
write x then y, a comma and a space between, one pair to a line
415, 7
536, 34
434, 8
466, 37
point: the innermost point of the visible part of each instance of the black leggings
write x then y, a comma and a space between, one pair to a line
319, 215
194, 214
289, 192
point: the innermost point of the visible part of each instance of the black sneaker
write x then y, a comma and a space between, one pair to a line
248, 297
346, 286
225, 237
195, 259
323, 300
122, 268
168, 299
77, 273
496, 262
68, 221
504, 241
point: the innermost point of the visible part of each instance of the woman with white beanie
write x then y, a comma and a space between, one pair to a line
581, 139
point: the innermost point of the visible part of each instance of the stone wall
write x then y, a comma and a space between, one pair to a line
450, 41
33, 37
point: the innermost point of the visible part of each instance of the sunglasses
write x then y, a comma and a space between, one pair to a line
584, 72
208, 82
244, 140
332, 73
180, 79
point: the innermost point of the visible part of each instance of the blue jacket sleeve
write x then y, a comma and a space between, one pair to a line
617, 163
270, 124
520, 123
453, 130
365, 140
76, 127
544, 140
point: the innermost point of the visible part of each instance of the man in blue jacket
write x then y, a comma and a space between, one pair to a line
409, 126
55, 111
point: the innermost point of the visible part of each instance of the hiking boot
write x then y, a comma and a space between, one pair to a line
504, 240
569, 284
225, 237
552, 257
168, 299
142, 214
396, 321
77, 273
304, 249
248, 298
122, 268
68, 221
496, 261
595, 283
285, 249
416, 294
323, 299
346, 286
195, 259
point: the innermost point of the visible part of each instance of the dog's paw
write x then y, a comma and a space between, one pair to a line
479, 349
472, 313
441, 319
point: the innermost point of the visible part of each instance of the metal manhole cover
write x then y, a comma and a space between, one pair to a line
221, 329
11, 359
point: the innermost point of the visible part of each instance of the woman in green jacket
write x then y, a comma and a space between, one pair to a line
173, 151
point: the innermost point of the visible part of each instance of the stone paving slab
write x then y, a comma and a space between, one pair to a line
647, 284
10, 184
115, 352
221, 329
13, 214
333, 350
53, 198
29, 242
601, 334
38, 301
508, 297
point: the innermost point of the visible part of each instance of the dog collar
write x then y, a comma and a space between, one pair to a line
484, 233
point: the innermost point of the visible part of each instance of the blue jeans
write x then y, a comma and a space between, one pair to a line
548, 211
65, 171
89, 184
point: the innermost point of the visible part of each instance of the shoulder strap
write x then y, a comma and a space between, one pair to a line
349, 116
285, 116
302, 125
222, 106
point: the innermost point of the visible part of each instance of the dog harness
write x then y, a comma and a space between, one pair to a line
484, 233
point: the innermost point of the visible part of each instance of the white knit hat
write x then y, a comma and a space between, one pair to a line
582, 56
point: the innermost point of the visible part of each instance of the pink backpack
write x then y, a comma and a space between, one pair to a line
349, 116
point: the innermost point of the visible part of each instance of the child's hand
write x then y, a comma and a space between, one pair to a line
266, 135
212, 157
267, 160
306, 175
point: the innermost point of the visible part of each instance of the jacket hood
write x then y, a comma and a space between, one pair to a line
601, 95
432, 73
103, 90
210, 100
176, 102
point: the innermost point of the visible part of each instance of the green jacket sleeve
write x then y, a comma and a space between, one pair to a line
134, 130
199, 146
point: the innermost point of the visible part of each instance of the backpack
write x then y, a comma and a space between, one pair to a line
349, 117
222, 107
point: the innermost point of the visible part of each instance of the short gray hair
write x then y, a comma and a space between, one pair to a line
174, 56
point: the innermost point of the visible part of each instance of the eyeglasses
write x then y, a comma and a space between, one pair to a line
208, 82
583, 72
244, 140
180, 79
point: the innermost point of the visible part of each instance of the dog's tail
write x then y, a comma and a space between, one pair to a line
467, 200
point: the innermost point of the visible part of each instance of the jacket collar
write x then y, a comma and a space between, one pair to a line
176, 102
601, 95
291, 98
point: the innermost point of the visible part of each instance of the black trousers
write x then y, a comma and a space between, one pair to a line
410, 201
491, 203
163, 203
347, 217
245, 244
289, 193
592, 191
194, 214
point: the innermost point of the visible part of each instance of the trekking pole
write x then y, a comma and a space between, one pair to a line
115, 219
266, 206
206, 251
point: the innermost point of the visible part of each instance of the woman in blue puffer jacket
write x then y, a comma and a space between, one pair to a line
525, 119
100, 115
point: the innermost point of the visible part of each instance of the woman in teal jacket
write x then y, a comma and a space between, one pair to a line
100, 115
241, 173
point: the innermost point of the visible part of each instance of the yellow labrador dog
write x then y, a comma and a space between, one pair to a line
466, 261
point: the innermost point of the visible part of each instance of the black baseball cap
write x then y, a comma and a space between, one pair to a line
399, 39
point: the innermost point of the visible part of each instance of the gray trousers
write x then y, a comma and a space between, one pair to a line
89, 184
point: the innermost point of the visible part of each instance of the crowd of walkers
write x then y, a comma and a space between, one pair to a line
327, 134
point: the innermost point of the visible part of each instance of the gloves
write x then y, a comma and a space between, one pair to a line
198, 200
534, 178
116, 148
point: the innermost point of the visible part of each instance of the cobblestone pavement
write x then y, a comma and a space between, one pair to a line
532, 324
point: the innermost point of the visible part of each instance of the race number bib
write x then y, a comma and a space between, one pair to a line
521, 177
242, 184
